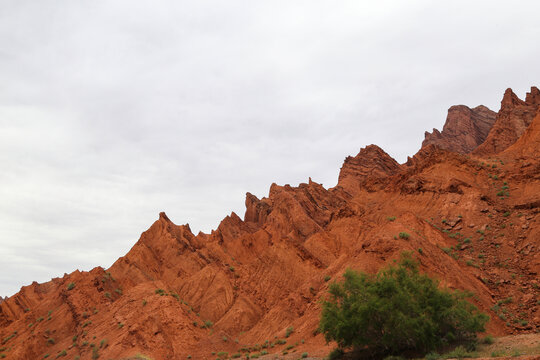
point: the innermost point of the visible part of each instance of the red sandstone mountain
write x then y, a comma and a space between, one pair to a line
464, 130
473, 223
513, 118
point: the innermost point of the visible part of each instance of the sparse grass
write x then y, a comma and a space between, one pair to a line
140, 356
207, 324
507, 300
289, 331
391, 218
7, 338
404, 235
458, 353
327, 278
160, 292
95, 353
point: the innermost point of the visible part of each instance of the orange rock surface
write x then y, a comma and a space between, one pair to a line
464, 130
473, 223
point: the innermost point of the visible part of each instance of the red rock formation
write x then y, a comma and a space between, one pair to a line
513, 118
464, 130
175, 294
372, 163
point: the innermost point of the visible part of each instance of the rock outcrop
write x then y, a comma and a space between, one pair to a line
513, 118
472, 221
465, 129
371, 163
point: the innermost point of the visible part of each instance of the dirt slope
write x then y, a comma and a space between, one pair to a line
473, 223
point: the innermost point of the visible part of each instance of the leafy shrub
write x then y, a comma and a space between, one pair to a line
432, 356
335, 354
391, 218
327, 278
397, 309
404, 235
71, 286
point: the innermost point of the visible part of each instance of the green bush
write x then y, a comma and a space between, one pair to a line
335, 354
404, 235
71, 286
397, 309
488, 340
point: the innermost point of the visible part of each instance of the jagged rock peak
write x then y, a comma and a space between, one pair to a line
533, 97
510, 99
371, 162
464, 130
163, 216
512, 120
256, 210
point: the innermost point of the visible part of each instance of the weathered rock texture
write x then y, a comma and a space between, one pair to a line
513, 118
174, 294
464, 130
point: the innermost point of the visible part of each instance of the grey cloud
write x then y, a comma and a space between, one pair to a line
113, 111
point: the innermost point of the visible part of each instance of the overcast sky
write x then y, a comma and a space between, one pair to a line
112, 111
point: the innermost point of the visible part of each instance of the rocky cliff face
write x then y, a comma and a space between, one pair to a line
464, 130
371, 163
474, 223
513, 118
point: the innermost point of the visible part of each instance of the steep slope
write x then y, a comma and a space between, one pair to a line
513, 118
473, 223
464, 129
